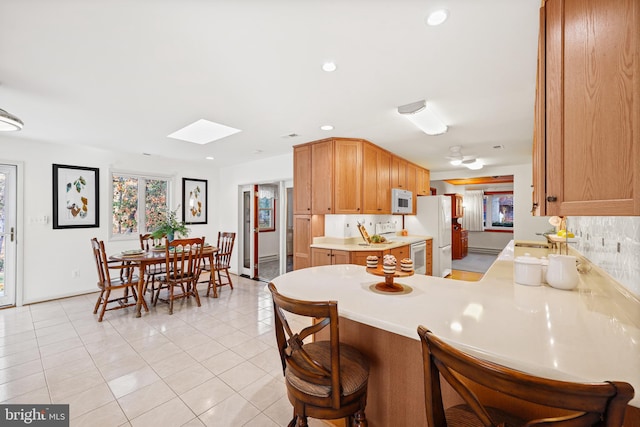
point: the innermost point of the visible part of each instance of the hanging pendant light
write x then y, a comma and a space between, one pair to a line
9, 122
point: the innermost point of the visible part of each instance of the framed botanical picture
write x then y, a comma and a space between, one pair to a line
194, 201
75, 197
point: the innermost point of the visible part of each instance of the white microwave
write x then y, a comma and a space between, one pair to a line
401, 201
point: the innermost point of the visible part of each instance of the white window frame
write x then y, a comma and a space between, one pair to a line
489, 220
142, 177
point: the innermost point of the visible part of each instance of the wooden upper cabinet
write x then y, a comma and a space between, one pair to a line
302, 180
322, 177
350, 176
398, 173
423, 182
376, 180
588, 116
412, 172
457, 209
539, 206
347, 176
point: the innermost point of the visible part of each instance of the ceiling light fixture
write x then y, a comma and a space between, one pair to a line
473, 164
326, 127
421, 116
9, 122
437, 17
209, 158
329, 67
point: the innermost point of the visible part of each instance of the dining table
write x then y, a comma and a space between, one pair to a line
143, 259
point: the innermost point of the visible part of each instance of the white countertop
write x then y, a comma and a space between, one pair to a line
591, 333
357, 244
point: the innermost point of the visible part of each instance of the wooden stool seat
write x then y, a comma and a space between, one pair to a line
463, 416
354, 369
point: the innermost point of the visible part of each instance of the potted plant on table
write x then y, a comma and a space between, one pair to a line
170, 227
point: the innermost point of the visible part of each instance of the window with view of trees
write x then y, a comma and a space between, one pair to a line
139, 203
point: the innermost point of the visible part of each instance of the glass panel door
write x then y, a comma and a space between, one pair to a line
8, 233
248, 242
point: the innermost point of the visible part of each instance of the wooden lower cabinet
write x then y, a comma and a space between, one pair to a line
360, 257
429, 255
401, 252
328, 257
305, 228
321, 256
459, 243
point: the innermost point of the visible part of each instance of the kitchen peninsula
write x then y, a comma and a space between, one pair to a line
331, 250
589, 334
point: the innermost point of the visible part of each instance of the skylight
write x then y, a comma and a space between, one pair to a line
203, 132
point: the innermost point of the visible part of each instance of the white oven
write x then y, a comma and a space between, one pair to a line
419, 257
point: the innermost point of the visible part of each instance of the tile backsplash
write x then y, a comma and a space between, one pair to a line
613, 244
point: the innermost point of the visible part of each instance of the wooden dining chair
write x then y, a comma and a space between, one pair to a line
125, 280
147, 243
183, 264
325, 379
564, 404
222, 261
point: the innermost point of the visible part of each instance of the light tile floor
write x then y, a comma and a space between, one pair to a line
216, 365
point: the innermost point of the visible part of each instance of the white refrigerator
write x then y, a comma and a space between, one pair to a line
433, 218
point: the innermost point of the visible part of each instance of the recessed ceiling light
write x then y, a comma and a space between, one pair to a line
257, 151
329, 66
437, 17
146, 154
209, 157
498, 147
326, 127
203, 132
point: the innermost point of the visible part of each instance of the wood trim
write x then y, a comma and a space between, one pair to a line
493, 230
498, 192
501, 179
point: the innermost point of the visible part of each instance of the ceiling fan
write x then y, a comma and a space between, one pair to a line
456, 158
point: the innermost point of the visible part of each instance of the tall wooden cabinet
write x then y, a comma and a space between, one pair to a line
321, 177
587, 133
347, 183
376, 180
336, 176
302, 174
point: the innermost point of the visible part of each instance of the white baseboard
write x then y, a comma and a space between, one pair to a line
487, 251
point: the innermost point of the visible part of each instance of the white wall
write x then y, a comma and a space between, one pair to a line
232, 178
49, 256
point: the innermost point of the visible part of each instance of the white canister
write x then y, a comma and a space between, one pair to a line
527, 270
562, 272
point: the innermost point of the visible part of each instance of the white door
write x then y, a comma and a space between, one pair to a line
248, 260
8, 233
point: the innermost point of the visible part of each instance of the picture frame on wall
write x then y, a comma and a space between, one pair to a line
76, 201
194, 201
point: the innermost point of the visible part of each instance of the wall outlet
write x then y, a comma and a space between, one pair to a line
75, 274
